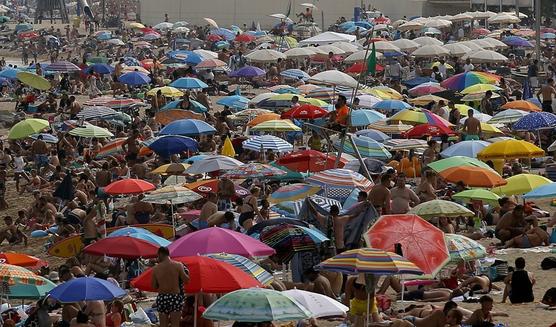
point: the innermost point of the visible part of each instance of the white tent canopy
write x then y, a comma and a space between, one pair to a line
328, 37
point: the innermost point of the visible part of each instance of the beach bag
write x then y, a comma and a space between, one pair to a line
548, 263
139, 317
553, 236
498, 271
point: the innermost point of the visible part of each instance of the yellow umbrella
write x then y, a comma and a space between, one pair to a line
33, 80
521, 184
462, 108
286, 97
282, 125
383, 92
408, 116
262, 118
315, 102
426, 99
228, 148
478, 88
171, 169
167, 91
136, 25
490, 129
510, 149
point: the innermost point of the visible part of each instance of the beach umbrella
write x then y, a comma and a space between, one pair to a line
171, 169
9, 73
205, 186
18, 259
517, 41
365, 101
300, 52
13, 275
477, 194
465, 149
424, 100
457, 49
100, 68
187, 127
248, 72
510, 149
507, 116
487, 56
502, 18
234, 101
521, 184
188, 83
367, 147
125, 247
211, 64
134, 78
544, 191
33, 80
364, 117
319, 305
295, 74
173, 194
373, 134
246, 265
256, 305
128, 186
163, 26
29, 291
185, 57
430, 255
425, 88
361, 56
520, 105
48, 138
95, 112
116, 42
473, 176
62, 66
267, 142
339, 183
391, 105
293, 192
264, 55
405, 144
405, 44
206, 275
167, 116
167, 145
309, 161
305, 111
409, 26
129, 230
213, 163
334, 77
480, 88
167, 91
27, 127
463, 80
463, 248
427, 40
432, 50
253, 170
535, 121
440, 208
218, 240
426, 130
456, 161
91, 131
278, 125
86, 289
148, 237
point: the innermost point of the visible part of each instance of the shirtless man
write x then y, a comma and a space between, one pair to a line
39, 150
485, 313
131, 146
512, 224
96, 310
403, 198
103, 177
90, 233
471, 127
208, 209
532, 237
169, 278
380, 196
547, 91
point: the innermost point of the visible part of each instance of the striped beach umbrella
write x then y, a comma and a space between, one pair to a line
370, 261
91, 131
267, 142
246, 265
253, 170
111, 148
12, 275
287, 239
339, 183
366, 146
295, 74
293, 208
277, 125
364, 117
293, 192
62, 66
95, 112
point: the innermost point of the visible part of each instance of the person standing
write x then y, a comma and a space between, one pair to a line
471, 127
533, 74
168, 279
486, 104
547, 91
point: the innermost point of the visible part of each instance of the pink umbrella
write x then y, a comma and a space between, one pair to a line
426, 88
218, 240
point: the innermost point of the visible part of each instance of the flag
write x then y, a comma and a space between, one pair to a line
289, 9
371, 61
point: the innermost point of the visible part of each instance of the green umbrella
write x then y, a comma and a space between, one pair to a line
440, 208
456, 161
97, 60
30, 291
91, 131
27, 128
256, 305
477, 194
4, 19
289, 176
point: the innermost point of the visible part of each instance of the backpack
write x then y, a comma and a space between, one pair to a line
548, 263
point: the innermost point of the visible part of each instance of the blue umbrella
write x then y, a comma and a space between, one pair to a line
48, 138
373, 134
9, 73
535, 121
366, 146
134, 78
391, 105
188, 57
534, 101
364, 117
234, 101
168, 145
544, 191
187, 127
517, 41
23, 27
248, 71
130, 61
353, 29
192, 159
104, 36
188, 83
548, 36
346, 25
295, 74
222, 44
195, 106
100, 69
465, 149
225, 33
410, 83
149, 237
364, 24
431, 30
86, 289
129, 230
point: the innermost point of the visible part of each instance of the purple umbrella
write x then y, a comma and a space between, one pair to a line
248, 71
62, 66
517, 41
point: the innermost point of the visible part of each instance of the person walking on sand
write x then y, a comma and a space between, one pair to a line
169, 278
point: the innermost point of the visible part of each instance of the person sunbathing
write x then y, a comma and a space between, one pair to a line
533, 236
478, 284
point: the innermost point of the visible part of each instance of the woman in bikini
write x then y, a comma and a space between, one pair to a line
250, 209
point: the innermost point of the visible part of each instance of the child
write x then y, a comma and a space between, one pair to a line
11, 232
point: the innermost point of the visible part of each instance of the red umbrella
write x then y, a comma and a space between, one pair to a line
309, 160
382, 20
18, 259
423, 130
421, 242
206, 275
214, 38
480, 31
246, 38
147, 30
360, 67
305, 111
147, 63
128, 186
125, 247
28, 35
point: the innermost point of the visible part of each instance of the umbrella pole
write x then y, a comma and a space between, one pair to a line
173, 219
403, 289
195, 310
361, 162
367, 320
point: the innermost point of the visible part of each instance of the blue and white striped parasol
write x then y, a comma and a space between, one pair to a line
267, 142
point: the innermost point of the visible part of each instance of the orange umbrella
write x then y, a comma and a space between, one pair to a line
167, 116
473, 176
262, 118
521, 105
18, 259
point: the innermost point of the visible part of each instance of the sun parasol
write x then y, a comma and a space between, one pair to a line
464, 149
167, 145
473, 176
339, 183
18, 275
174, 194
145, 236
456, 161
480, 88
507, 116
253, 170
263, 118
267, 142
187, 127
171, 169
34, 80
211, 185
248, 72
319, 305
477, 194
366, 146
305, 111
29, 291
364, 117
510, 149
520, 105
287, 239
544, 191
334, 77
125, 247
463, 80
246, 265
27, 127
128, 186
440, 208
521, 183
409, 230
18, 259
86, 289
281, 125
535, 121
292, 192
90, 131
309, 161
463, 248
62, 66
213, 163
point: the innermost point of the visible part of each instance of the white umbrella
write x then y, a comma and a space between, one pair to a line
483, 44
115, 42
513, 13
445, 17
496, 43
410, 26
507, 116
386, 46
308, 5
267, 142
481, 14
427, 40
211, 22
265, 55
348, 48
261, 97
334, 77
399, 22
95, 112
360, 56
330, 48
438, 23
457, 49
503, 19
319, 305
180, 29
206, 54
405, 44
299, 52
487, 56
461, 17
213, 163
431, 51
163, 26
380, 27
367, 100
282, 17
327, 38
471, 45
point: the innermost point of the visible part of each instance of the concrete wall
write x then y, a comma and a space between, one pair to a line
238, 12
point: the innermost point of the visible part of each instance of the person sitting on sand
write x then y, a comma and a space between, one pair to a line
432, 295
510, 225
485, 313
532, 237
519, 284
11, 232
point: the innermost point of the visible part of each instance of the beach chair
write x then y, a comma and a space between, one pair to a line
551, 172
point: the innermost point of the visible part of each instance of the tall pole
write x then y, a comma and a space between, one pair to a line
538, 29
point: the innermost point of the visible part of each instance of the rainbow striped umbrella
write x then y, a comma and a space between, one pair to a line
293, 192
339, 183
461, 81
13, 275
287, 239
248, 266
370, 261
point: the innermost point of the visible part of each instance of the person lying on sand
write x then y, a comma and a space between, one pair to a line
448, 316
533, 236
